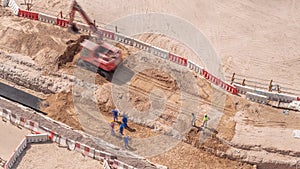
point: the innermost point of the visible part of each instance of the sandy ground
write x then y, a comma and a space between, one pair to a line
10, 138
56, 157
194, 158
266, 127
254, 39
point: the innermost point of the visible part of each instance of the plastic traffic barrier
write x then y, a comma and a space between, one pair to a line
62, 22
210, 77
28, 14
107, 34
123, 39
177, 59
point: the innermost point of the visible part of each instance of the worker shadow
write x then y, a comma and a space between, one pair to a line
131, 148
211, 130
130, 129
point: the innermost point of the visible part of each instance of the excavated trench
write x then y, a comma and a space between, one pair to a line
72, 49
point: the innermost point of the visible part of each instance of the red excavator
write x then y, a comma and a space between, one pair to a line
96, 55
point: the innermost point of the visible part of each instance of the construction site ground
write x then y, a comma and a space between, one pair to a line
39, 59
45, 155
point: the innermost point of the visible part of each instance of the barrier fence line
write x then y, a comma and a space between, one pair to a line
13, 158
118, 37
44, 134
232, 89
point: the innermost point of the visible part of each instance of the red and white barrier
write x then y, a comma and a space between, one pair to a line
193, 66
13, 158
123, 39
159, 52
32, 125
257, 97
118, 164
5, 113
62, 22
177, 59
229, 88
28, 14
107, 34
83, 27
47, 18
36, 138
141, 45
210, 77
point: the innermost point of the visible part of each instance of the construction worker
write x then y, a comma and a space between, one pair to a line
205, 119
112, 128
126, 141
193, 120
124, 120
121, 129
115, 114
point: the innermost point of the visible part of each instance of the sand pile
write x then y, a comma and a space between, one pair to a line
61, 107
42, 42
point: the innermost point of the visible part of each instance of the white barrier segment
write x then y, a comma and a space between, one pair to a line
13, 158
105, 165
56, 138
47, 18
124, 39
83, 27
13, 6
36, 138
141, 45
281, 97
98, 155
296, 133
6, 113
63, 142
271, 96
4, 3
14, 119
71, 144
91, 153
257, 97
243, 89
294, 105
159, 52
193, 66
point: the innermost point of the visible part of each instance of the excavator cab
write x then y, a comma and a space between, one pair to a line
102, 59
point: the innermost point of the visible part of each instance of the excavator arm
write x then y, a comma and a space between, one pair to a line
76, 7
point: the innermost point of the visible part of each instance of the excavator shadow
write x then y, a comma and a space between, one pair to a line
122, 75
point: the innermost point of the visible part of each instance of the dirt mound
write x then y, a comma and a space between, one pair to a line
187, 156
211, 142
72, 49
5, 12
42, 42
60, 107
